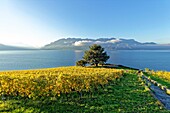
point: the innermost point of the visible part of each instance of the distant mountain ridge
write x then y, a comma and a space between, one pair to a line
108, 43
83, 44
8, 47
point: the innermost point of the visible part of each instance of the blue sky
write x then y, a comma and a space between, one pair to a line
38, 22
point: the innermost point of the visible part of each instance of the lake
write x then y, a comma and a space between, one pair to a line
35, 59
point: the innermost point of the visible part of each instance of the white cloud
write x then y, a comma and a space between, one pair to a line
81, 43
114, 41
87, 42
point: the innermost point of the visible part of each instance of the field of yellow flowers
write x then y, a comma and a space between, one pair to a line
162, 77
55, 81
162, 74
75, 90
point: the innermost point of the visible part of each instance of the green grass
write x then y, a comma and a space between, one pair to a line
159, 80
128, 95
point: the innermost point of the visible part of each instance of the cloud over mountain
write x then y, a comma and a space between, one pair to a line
90, 42
108, 43
82, 43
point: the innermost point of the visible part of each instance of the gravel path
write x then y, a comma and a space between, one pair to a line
158, 93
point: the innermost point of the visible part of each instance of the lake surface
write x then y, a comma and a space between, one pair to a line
35, 59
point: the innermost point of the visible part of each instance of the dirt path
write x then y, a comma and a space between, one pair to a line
158, 93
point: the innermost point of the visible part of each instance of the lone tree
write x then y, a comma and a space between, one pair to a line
95, 55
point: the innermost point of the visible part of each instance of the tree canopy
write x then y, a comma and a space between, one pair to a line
81, 63
95, 55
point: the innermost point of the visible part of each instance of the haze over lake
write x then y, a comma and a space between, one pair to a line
35, 59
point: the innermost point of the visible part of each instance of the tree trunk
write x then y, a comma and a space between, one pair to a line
96, 64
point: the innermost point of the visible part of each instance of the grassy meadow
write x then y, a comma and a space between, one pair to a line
75, 90
162, 77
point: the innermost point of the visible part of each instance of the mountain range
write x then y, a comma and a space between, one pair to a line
107, 43
8, 47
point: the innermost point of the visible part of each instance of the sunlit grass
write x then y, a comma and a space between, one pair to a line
161, 77
126, 95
